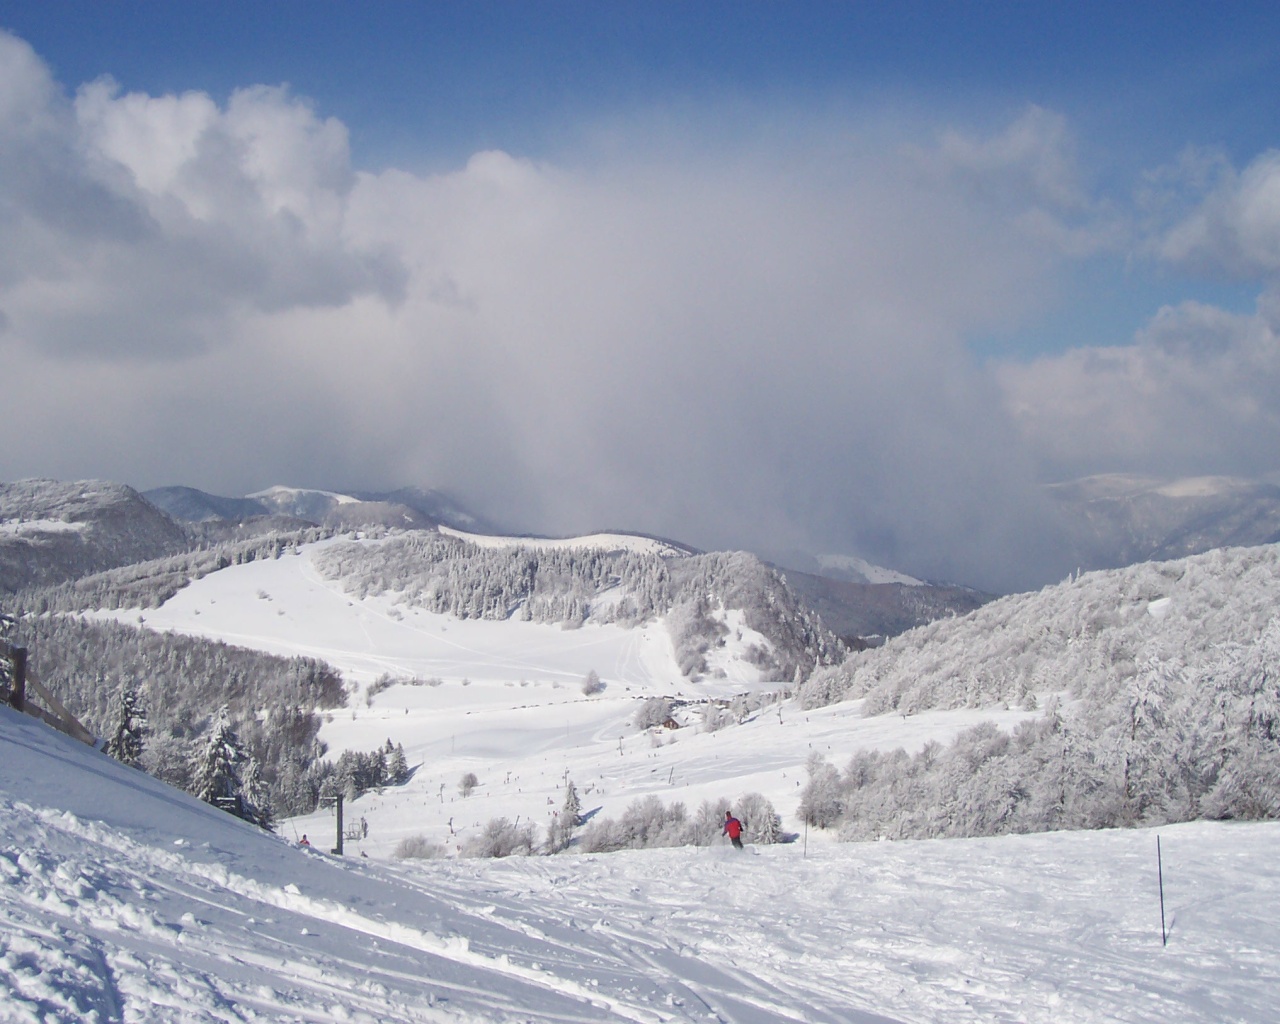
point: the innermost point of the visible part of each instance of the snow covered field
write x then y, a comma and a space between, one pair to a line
122, 900
134, 902
509, 707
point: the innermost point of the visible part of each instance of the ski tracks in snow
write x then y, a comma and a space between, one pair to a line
177, 940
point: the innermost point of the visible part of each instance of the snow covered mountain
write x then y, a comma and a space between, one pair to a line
1116, 520
654, 680
51, 532
865, 614
407, 508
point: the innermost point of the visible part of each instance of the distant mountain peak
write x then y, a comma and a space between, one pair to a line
858, 570
282, 495
1120, 519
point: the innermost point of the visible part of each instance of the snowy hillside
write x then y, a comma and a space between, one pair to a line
1155, 691
859, 570
1179, 613
636, 543
123, 900
503, 699
51, 531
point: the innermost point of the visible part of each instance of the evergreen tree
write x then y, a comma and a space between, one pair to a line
761, 823
255, 797
560, 834
126, 742
217, 773
397, 766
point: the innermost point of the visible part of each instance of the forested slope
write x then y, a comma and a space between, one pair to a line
570, 586
1160, 691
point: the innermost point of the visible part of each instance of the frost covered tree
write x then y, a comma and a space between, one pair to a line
760, 822
255, 797
127, 741
653, 712
397, 766
217, 773
560, 834
644, 824
501, 838
821, 802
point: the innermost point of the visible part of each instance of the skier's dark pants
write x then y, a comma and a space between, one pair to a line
737, 842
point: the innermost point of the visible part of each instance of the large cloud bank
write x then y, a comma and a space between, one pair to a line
759, 342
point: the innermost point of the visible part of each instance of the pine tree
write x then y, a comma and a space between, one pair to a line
126, 742
217, 774
255, 798
572, 805
560, 834
397, 766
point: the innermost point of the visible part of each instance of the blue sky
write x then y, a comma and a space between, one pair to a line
431, 81
844, 277
424, 85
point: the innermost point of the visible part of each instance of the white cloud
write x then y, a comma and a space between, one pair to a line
730, 344
1199, 392
1235, 229
1199, 389
1033, 159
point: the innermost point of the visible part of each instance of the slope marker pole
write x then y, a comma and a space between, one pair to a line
1164, 935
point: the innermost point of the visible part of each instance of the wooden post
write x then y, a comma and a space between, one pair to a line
338, 849
18, 698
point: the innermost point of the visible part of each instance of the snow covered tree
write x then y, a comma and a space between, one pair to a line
760, 822
501, 838
255, 797
560, 834
822, 801
217, 774
708, 823
397, 766
126, 742
653, 712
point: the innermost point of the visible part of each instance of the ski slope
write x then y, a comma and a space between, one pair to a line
508, 707
123, 900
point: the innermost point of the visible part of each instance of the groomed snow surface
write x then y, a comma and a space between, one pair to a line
123, 900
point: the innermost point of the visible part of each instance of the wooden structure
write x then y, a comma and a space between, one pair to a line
23, 686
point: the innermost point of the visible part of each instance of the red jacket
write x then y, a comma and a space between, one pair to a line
732, 828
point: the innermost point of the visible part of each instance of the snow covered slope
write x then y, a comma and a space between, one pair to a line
122, 900
635, 542
504, 700
51, 531
859, 570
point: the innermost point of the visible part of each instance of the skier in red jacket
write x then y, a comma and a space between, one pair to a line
733, 829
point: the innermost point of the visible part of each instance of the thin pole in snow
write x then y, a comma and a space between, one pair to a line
806, 837
1164, 935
